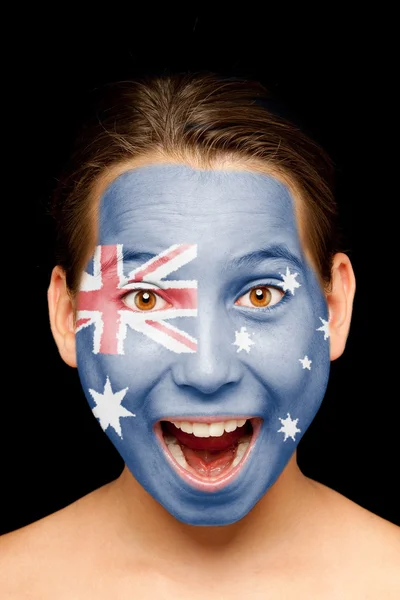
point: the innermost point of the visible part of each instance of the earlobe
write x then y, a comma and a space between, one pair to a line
340, 303
61, 313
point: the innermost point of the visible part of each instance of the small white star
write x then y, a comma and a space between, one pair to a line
108, 407
306, 362
289, 427
242, 340
324, 327
289, 281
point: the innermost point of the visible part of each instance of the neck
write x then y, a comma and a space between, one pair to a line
152, 529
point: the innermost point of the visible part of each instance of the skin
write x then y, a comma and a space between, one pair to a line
147, 211
301, 539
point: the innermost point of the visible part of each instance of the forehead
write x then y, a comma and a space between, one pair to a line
158, 204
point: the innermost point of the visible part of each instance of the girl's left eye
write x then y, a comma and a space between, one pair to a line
144, 300
261, 296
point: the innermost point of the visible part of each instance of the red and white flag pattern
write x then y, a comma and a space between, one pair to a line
100, 306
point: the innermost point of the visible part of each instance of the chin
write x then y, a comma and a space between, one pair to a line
216, 484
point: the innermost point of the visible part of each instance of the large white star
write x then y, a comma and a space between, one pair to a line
289, 281
324, 327
289, 427
242, 340
306, 362
108, 407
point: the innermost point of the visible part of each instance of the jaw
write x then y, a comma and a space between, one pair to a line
208, 462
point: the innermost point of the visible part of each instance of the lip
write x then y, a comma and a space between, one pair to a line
202, 483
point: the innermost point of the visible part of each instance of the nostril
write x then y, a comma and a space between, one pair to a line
205, 386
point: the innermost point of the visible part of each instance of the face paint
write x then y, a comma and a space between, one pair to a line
202, 335
111, 319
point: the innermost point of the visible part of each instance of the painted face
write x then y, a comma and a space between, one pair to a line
202, 335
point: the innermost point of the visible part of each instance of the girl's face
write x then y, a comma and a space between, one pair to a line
202, 335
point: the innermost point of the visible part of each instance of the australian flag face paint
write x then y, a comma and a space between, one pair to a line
202, 335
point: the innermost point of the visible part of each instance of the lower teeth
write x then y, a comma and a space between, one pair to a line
241, 449
176, 451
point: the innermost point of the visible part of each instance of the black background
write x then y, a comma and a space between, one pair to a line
339, 78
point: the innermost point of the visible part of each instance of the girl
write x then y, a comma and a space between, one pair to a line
201, 294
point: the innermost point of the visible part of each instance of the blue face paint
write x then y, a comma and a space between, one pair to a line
199, 308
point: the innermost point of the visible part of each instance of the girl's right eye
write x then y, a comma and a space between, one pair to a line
144, 301
261, 296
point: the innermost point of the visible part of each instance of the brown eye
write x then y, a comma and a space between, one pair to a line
260, 297
144, 300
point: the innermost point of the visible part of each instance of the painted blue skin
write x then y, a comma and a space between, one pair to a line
228, 214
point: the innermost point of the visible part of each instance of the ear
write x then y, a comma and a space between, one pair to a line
61, 313
340, 303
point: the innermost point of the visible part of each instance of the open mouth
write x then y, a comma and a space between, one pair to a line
208, 454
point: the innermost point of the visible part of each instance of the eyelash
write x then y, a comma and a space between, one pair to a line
155, 291
253, 308
159, 296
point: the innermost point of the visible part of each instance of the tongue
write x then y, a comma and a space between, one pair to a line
210, 456
209, 464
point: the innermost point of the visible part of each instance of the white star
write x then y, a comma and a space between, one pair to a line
289, 281
242, 340
289, 427
108, 407
306, 362
324, 327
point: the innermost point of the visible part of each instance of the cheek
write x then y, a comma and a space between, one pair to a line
141, 365
292, 355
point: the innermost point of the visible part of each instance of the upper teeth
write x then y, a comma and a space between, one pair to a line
209, 429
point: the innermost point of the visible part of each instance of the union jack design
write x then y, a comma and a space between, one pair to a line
100, 301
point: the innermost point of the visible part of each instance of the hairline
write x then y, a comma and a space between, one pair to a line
224, 162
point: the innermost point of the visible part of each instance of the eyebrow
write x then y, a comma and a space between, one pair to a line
255, 258
129, 255
250, 260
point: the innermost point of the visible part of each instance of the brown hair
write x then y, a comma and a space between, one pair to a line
201, 118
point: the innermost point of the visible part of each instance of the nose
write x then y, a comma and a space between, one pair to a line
215, 363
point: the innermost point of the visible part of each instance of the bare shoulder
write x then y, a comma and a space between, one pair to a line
364, 547
37, 557
347, 550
